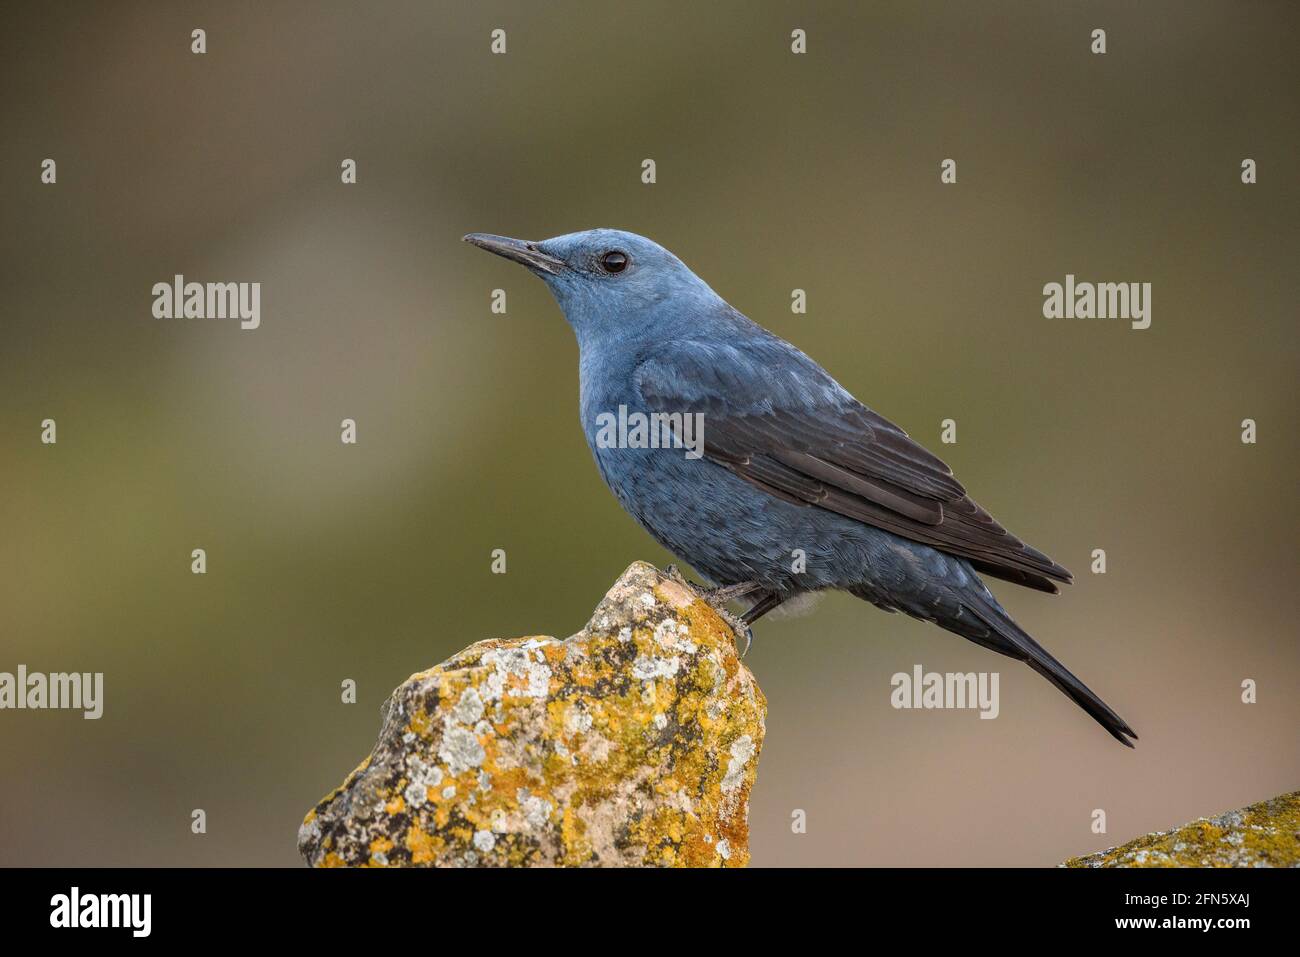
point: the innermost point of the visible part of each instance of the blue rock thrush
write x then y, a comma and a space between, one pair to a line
783, 458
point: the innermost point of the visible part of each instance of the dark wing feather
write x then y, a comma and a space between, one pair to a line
778, 420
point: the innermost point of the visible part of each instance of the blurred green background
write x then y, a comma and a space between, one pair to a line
775, 171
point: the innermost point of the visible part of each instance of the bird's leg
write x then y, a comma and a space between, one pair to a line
714, 596
738, 626
741, 626
766, 603
726, 593
718, 598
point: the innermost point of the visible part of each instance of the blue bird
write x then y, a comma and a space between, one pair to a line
781, 457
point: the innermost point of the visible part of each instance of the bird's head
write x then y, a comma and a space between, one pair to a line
610, 283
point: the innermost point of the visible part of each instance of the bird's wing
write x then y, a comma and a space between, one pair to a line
778, 420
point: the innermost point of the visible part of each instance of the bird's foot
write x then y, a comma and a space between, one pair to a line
728, 593
741, 629
717, 599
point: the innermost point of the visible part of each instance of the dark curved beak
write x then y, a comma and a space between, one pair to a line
518, 250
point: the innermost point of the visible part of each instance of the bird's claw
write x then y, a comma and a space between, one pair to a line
739, 627
749, 640
717, 599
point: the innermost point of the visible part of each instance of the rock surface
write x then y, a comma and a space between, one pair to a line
1266, 834
633, 742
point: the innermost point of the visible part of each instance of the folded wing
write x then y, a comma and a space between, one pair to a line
779, 421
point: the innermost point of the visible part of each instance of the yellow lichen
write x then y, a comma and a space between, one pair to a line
422, 845
1266, 834
609, 747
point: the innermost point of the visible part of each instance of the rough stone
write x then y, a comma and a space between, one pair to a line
633, 742
1266, 834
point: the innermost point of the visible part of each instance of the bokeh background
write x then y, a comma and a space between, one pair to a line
775, 171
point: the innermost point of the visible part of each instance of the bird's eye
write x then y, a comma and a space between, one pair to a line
613, 261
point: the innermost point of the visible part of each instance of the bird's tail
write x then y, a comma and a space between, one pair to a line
1008, 638
982, 620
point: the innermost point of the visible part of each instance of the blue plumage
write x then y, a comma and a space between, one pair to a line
796, 486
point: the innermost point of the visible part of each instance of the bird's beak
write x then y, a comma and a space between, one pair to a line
519, 250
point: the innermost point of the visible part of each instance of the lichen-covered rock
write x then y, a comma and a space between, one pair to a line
1266, 834
634, 742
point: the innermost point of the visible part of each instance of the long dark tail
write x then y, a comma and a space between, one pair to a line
1008, 638
979, 618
